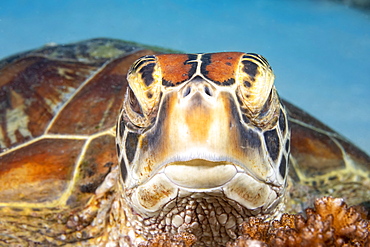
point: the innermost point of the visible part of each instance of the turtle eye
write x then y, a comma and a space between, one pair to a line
133, 110
255, 91
255, 79
143, 92
134, 103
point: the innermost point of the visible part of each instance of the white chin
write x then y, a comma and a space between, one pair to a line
221, 179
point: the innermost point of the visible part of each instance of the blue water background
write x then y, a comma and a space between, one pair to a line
319, 50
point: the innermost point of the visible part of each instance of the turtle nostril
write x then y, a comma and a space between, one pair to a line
186, 92
207, 91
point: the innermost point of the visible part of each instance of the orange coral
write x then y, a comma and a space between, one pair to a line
330, 223
164, 240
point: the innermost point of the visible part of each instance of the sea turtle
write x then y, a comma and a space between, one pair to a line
203, 143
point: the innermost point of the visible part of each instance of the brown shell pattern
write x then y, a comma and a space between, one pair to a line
58, 108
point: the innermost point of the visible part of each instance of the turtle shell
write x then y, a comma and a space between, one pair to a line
58, 110
323, 162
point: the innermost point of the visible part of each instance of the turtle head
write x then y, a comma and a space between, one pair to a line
196, 125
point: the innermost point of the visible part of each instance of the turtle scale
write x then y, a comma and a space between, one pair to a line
90, 104
58, 110
313, 138
324, 162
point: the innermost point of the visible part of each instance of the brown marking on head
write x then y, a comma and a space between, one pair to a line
223, 66
174, 69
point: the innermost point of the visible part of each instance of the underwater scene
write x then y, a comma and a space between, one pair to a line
192, 149
319, 50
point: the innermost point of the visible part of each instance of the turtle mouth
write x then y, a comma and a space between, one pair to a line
184, 178
200, 174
